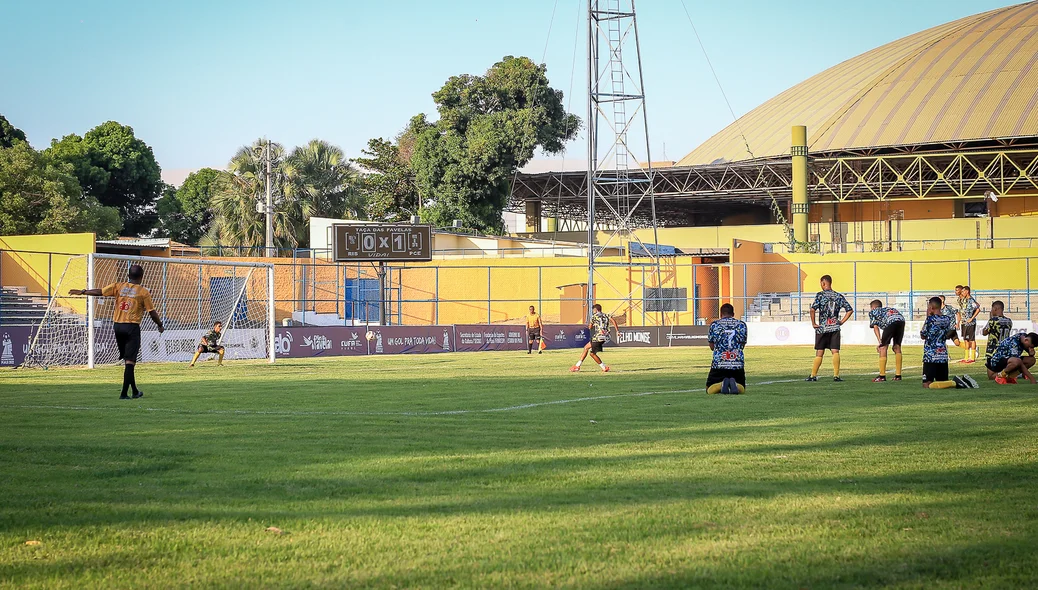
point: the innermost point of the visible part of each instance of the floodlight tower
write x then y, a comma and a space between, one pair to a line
620, 177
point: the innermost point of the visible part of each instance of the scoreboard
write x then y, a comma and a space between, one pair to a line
370, 242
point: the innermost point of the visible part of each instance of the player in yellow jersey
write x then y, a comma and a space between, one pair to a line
533, 330
132, 300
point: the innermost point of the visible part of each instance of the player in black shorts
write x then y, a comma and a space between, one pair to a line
892, 323
825, 317
727, 338
210, 343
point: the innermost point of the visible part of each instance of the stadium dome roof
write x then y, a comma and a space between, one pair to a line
974, 78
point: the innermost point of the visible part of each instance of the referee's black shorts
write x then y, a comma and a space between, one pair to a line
534, 334
893, 334
128, 339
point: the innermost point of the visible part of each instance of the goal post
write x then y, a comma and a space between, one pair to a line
190, 295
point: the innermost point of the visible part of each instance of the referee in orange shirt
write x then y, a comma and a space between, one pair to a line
131, 301
533, 330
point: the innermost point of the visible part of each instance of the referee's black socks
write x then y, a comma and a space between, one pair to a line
129, 380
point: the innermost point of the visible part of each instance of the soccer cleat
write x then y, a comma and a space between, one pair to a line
837, 380
811, 379
124, 396
725, 389
1001, 380
959, 383
971, 382
897, 377
880, 379
606, 369
733, 386
1010, 380
138, 395
574, 369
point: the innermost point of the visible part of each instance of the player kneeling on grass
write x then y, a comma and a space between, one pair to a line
1008, 362
998, 328
599, 327
892, 323
935, 351
727, 339
210, 343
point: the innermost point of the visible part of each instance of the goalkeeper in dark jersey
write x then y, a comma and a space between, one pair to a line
210, 343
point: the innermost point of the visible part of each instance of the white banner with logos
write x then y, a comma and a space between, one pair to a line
180, 345
853, 333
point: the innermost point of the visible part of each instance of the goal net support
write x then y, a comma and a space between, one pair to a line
189, 295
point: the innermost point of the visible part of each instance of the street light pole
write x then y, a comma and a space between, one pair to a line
269, 209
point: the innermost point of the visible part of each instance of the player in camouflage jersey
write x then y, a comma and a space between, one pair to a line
892, 324
1008, 361
998, 328
727, 338
210, 342
935, 351
952, 312
969, 309
825, 317
599, 327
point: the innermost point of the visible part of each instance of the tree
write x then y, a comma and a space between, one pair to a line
118, 169
319, 182
390, 183
9, 133
185, 214
40, 195
235, 219
489, 127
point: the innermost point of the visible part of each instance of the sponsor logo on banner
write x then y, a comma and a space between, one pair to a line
317, 342
6, 350
446, 340
283, 343
684, 335
480, 337
782, 333
355, 343
636, 337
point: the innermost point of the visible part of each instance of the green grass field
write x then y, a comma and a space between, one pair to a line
505, 470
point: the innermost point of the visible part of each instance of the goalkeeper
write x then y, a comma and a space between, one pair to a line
210, 343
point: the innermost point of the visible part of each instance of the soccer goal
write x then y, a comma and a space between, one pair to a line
189, 295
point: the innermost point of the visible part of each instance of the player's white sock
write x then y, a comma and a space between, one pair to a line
602, 365
578, 363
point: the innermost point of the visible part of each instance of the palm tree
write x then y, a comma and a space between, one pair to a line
236, 222
320, 182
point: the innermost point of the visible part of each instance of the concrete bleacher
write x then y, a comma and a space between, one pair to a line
792, 307
19, 307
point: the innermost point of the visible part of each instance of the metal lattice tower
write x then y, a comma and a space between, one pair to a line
620, 196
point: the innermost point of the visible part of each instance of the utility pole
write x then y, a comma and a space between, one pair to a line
269, 209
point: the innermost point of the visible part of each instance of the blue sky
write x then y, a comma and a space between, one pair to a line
197, 79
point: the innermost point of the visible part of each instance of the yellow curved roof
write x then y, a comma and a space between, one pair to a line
973, 78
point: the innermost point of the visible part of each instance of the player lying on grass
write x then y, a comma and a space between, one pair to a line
998, 329
1008, 361
892, 323
599, 327
727, 339
132, 300
935, 351
210, 343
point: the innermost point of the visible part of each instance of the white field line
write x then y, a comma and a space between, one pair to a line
414, 413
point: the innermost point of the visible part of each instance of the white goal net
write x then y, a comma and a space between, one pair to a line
189, 295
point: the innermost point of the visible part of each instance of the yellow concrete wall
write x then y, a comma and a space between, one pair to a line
28, 261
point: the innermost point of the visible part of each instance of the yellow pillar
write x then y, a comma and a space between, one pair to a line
800, 205
553, 224
533, 216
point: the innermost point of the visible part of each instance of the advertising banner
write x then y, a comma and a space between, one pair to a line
637, 336
473, 338
565, 336
411, 339
180, 345
14, 344
311, 341
683, 335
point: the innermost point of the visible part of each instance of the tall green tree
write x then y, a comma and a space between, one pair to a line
319, 182
118, 169
40, 195
9, 133
236, 222
185, 213
489, 126
390, 181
